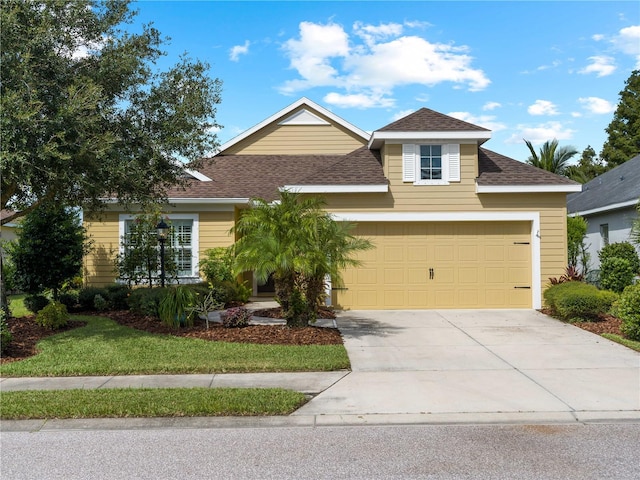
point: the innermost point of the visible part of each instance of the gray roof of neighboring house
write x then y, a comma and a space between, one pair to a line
619, 185
495, 170
426, 120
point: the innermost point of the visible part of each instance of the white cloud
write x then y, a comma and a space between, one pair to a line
358, 100
401, 114
375, 59
236, 51
370, 33
486, 121
597, 105
491, 105
628, 41
601, 65
539, 134
598, 37
543, 107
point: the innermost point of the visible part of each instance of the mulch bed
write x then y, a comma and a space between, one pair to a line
26, 333
604, 324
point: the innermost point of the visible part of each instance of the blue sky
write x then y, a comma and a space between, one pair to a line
534, 70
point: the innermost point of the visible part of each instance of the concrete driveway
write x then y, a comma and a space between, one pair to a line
468, 365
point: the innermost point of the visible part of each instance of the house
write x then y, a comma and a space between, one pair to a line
7, 231
608, 203
454, 225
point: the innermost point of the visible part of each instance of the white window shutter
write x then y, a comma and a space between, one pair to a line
408, 162
454, 162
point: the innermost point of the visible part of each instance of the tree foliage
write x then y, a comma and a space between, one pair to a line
49, 251
138, 262
623, 142
589, 166
551, 157
298, 243
85, 115
577, 250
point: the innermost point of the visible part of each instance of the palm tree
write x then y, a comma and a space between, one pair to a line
298, 243
551, 158
331, 250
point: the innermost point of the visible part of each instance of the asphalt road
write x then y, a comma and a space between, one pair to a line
593, 451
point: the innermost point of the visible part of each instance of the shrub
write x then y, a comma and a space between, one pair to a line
175, 308
230, 292
53, 316
572, 274
5, 333
616, 273
35, 303
99, 303
607, 299
217, 265
87, 295
576, 301
146, 301
236, 317
117, 295
621, 250
627, 309
69, 299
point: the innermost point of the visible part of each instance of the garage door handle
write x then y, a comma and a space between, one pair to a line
431, 273
527, 288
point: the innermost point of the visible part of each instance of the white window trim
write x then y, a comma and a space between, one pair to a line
195, 236
533, 217
411, 163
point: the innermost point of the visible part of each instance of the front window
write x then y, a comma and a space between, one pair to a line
430, 162
181, 239
604, 235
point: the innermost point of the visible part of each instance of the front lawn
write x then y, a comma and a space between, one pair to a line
103, 347
148, 402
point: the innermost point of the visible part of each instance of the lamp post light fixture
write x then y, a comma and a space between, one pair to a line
163, 231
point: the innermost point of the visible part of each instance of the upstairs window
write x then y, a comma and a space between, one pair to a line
430, 164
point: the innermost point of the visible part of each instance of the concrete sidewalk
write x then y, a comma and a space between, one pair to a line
422, 367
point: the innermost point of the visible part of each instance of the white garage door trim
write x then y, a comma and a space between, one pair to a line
533, 217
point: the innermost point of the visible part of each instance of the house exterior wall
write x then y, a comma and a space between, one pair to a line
619, 222
104, 231
276, 139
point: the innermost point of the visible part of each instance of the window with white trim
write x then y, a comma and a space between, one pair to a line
183, 237
430, 164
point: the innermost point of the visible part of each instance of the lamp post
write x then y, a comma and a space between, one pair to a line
163, 230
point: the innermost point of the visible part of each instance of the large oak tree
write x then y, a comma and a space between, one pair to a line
84, 112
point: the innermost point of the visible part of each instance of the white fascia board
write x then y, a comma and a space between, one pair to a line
378, 138
289, 109
197, 175
336, 188
528, 188
533, 217
210, 201
606, 208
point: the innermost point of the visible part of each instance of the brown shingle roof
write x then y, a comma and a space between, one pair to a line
426, 120
250, 176
496, 170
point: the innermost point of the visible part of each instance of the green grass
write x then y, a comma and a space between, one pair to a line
103, 347
633, 344
147, 402
16, 305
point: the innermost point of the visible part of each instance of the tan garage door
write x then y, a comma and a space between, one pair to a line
440, 265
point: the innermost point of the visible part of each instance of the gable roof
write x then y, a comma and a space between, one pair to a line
238, 178
617, 188
498, 173
427, 124
290, 109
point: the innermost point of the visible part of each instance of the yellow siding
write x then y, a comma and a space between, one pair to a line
99, 263
275, 139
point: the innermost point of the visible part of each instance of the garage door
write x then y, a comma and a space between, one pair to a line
440, 265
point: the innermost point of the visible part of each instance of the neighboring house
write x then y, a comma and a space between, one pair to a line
608, 203
454, 225
7, 231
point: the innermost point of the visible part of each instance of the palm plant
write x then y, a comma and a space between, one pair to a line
298, 243
331, 250
551, 158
